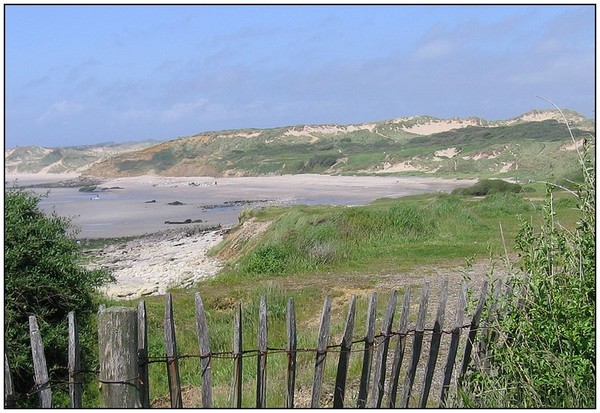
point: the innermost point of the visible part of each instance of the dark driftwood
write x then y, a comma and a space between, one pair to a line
344, 359
434, 346
9, 388
291, 352
118, 356
417, 344
237, 357
74, 356
171, 351
39, 364
399, 353
204, 346
143, 355
368, 352
460, 315
261, 370
321, 353
382, 350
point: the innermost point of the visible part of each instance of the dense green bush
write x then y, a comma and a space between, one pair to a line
267, 259
544, 355
43, 276
488, 187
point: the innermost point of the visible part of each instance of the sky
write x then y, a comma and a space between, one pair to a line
79, 75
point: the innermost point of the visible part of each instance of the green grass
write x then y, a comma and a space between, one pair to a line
533, 148
311, 251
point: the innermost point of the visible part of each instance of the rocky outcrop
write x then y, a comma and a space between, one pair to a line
150, 265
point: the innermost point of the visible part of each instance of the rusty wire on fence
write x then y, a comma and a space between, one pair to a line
333, 348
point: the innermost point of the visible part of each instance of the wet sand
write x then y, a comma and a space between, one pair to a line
141, 205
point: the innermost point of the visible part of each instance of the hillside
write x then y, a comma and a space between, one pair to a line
535, 144
36, 159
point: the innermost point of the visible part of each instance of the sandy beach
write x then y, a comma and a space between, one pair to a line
140, 205
164, 255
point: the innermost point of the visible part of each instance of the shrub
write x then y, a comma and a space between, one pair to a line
43, 277
545, 354
488, 187
267, 259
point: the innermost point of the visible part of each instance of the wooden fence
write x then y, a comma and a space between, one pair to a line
124, 359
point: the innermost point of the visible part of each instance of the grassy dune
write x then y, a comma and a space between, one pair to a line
311, 251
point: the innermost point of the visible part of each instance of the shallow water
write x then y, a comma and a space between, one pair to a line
127, 212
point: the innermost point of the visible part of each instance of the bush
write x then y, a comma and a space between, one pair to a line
545, 353
43, 277
488, 187
267, 259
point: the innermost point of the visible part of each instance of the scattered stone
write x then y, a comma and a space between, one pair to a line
238, 203
88, 188
149, 265
187, 221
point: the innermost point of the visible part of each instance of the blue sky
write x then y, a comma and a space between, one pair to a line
78, 75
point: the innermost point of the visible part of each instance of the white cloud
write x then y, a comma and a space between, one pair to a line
61, 109
435, 49
181, 110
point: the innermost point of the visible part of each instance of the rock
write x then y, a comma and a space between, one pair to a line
176, 203
187, 221
152, 264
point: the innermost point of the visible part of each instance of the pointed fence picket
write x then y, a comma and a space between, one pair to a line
171, 352
344, 359
237, 358
290, 320
9, 388
124, 371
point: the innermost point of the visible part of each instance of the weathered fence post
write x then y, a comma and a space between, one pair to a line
321, 353
417, 344
382, 351
39, 364
472, 332
9, 389
237, 357
143, 355
171, 351
488, 335
460, 315
434, 347
75, 386
399, 352
202, 326
344, 360
368, 352
261, 368
291, 352
118, 354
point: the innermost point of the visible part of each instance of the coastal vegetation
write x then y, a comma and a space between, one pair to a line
534, 145
544, 352
44, 276
528, 149
310, 251
542, 234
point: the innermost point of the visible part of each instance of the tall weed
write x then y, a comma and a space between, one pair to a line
544, 355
